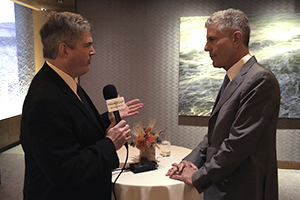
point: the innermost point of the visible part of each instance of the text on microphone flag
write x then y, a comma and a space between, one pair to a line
115, 104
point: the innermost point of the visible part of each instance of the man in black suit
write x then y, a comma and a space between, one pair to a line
236, 160
70, 149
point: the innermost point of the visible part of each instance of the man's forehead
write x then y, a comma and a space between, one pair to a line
86, 37
212, 30
215, 31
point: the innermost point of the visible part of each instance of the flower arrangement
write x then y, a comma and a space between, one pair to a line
145, 136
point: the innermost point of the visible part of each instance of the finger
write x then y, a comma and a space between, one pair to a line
185, 162
128, 137
135, 107
194, 167
190, 164
128, 132
122, 123
132, 102
171, 171
132, 113
179, 167
176, 177
175, 166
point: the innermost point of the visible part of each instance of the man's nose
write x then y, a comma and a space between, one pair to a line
93, 51
206, 47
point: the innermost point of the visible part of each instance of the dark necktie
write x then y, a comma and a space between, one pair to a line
80, 93
225, 82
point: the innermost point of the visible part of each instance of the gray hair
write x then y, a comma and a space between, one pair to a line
62, 27
231, 20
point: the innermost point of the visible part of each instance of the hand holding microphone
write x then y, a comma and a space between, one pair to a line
120, 133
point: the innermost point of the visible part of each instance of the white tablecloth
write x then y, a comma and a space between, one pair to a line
289, 181
153, 185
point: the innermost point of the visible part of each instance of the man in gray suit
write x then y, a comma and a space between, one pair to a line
237, 158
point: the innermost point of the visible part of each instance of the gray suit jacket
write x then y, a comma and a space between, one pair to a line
237, 158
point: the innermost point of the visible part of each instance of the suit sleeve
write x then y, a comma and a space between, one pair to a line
198, 155
104, 117
258, 104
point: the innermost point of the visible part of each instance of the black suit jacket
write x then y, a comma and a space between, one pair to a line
66, 153
237, 158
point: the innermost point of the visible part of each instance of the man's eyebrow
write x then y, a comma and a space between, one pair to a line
89, 43
211, 37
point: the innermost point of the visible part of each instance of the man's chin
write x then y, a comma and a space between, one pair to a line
216, 66
86, 70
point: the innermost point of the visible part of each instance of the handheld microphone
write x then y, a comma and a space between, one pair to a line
114, 104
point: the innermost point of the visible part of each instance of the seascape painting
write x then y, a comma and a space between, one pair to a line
274, 41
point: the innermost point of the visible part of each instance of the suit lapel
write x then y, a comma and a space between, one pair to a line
73, 98
232, 86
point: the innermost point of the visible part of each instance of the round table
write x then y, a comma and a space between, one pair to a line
153, 185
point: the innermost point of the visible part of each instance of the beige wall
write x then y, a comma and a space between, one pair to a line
38, 19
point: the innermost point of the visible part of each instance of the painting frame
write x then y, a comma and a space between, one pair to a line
286, 121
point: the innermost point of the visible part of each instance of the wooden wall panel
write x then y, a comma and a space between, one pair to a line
9, 132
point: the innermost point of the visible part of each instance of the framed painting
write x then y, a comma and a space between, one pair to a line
274, 41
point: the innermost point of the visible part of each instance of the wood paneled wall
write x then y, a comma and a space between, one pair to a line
9, 132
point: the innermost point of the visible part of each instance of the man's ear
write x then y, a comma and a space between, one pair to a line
63, 50
237, 38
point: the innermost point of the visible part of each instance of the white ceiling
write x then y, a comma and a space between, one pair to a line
49, 5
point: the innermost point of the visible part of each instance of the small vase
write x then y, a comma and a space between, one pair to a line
149, 153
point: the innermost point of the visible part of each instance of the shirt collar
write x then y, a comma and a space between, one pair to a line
237, 66
67, 78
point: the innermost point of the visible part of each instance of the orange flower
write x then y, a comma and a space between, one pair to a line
144, 141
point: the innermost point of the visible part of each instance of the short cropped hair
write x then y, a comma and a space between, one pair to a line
231, 20
62, 27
